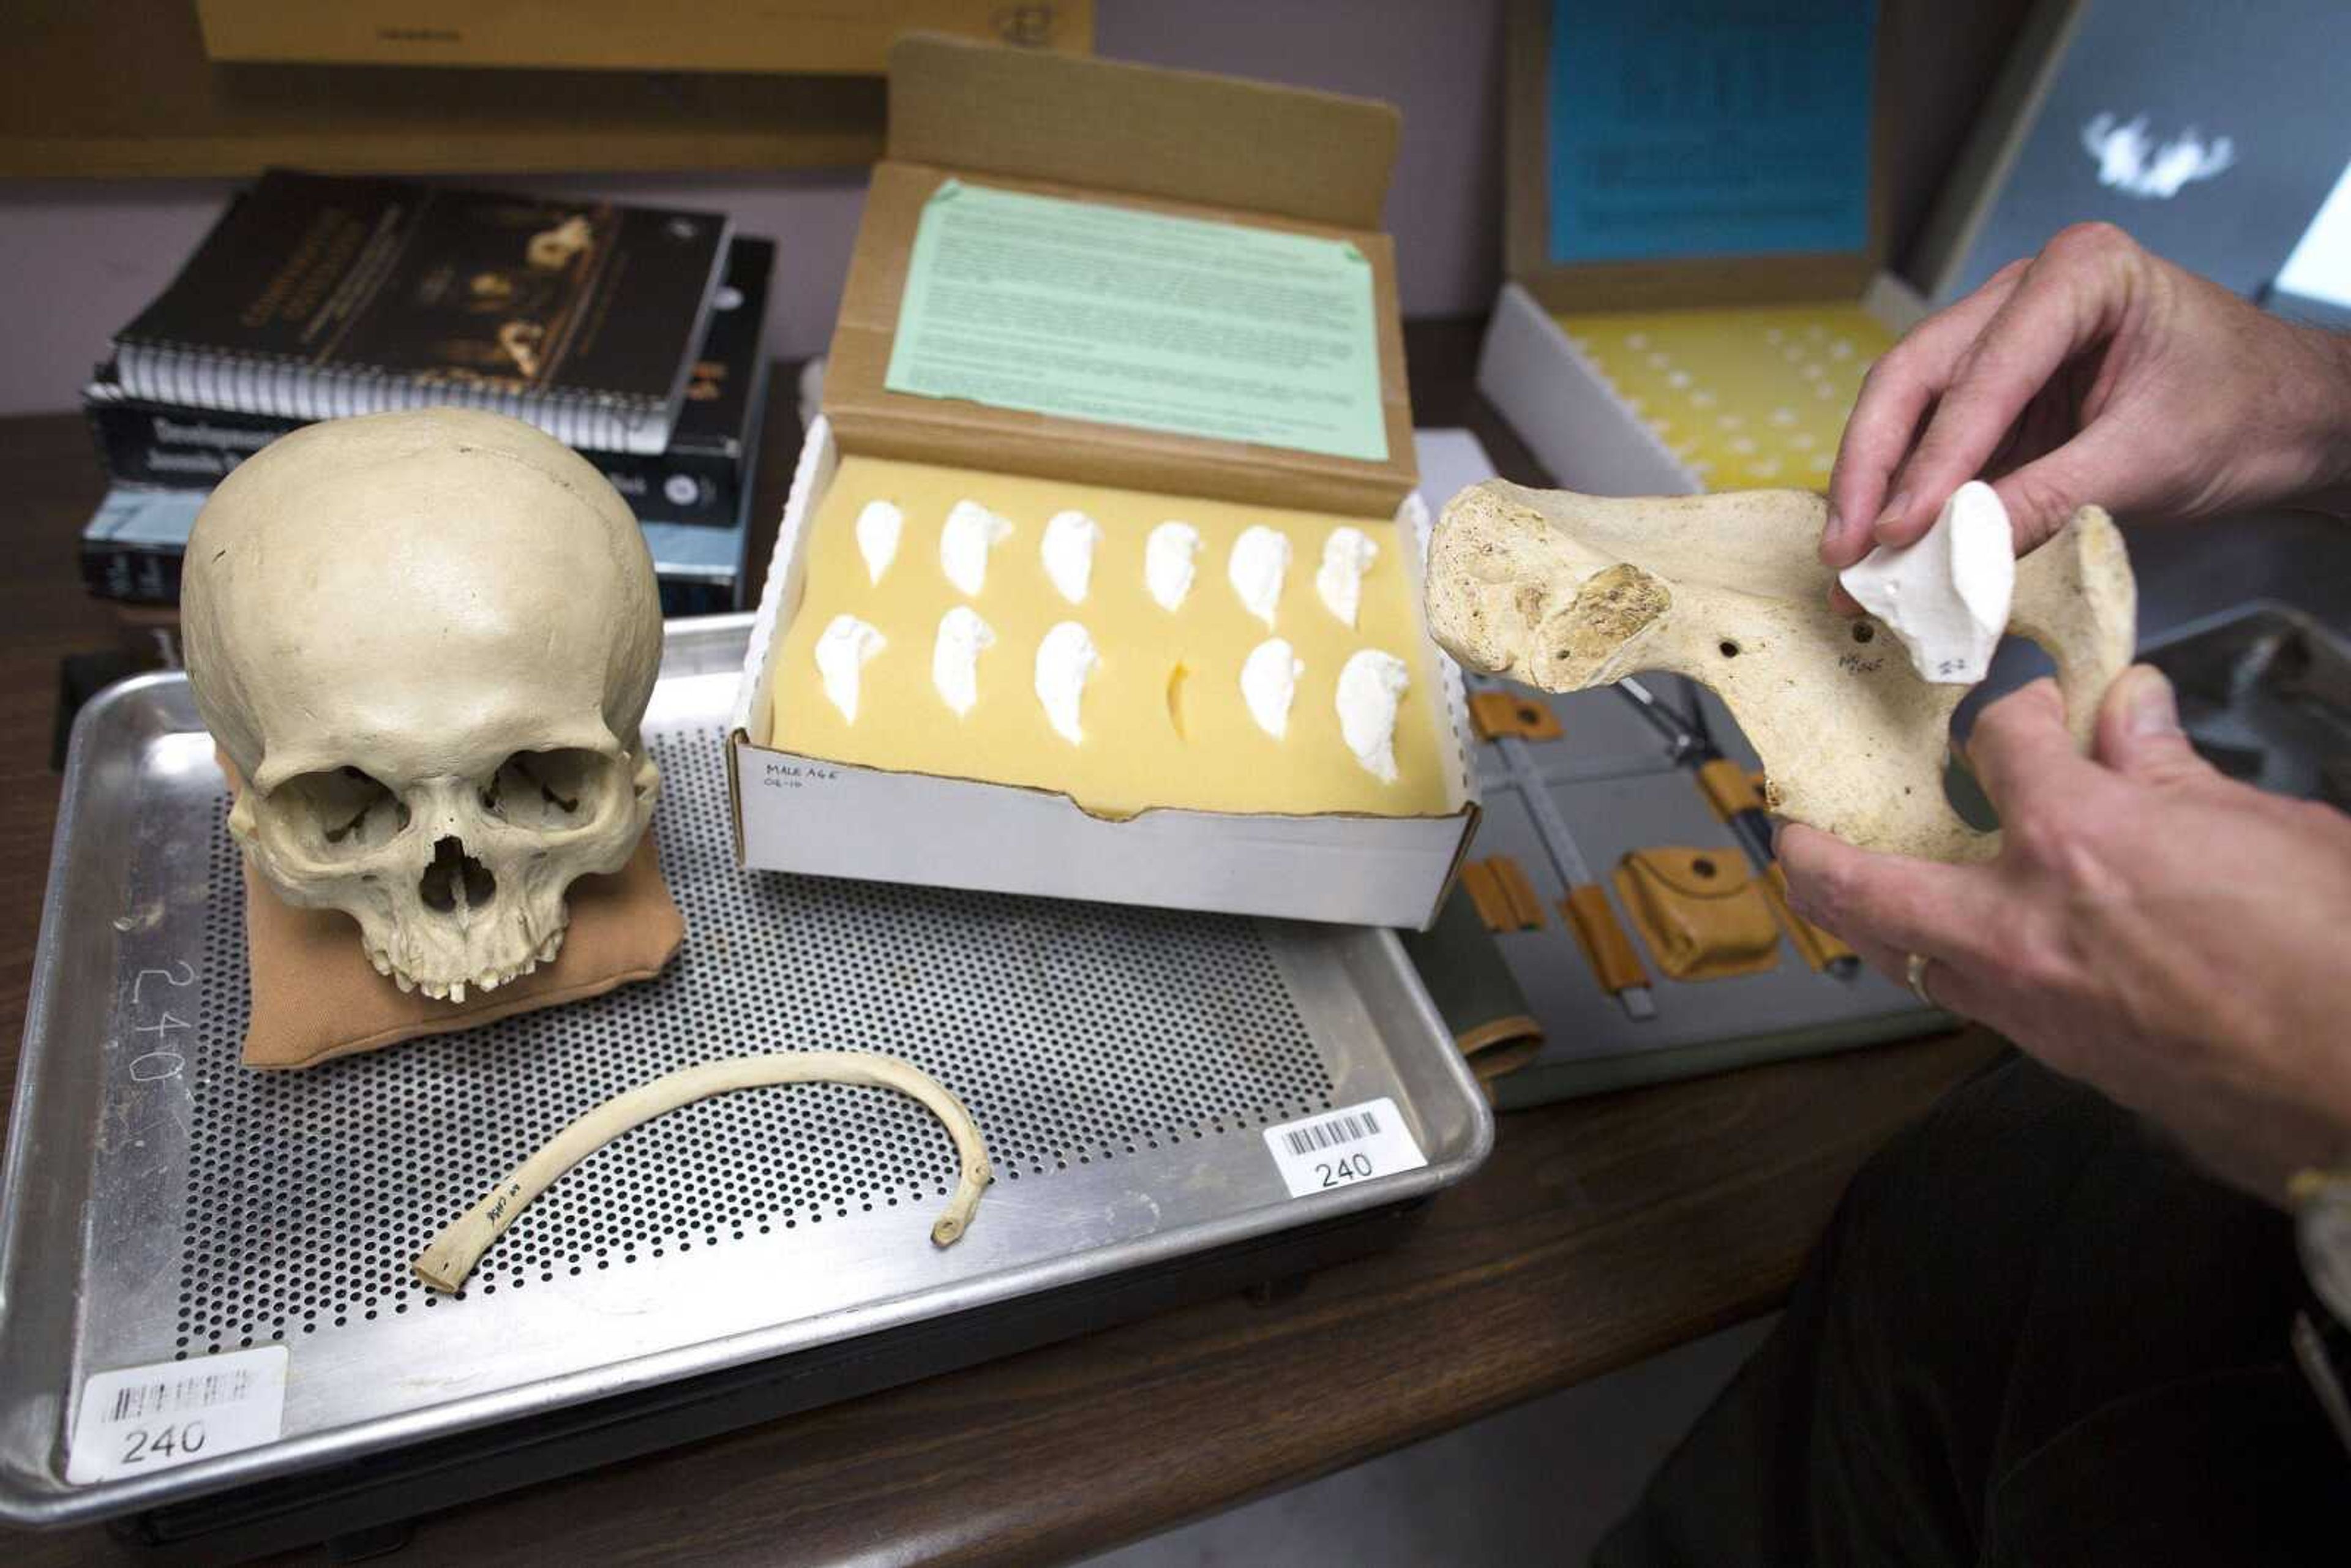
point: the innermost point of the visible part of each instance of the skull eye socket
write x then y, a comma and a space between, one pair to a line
547, 791
349, 810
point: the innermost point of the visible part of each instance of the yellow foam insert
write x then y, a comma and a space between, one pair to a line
1747, 398
1163, 718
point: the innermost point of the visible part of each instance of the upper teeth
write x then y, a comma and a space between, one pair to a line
489, 979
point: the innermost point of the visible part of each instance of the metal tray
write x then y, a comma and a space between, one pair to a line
163, 1203
2265, 695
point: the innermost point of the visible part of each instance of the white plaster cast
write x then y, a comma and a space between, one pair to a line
1169, 559
1270, 685
1066, 661
1946, 596
1068, 553
1371, 684
1347, 555
1260, 561
955, 657
879, 524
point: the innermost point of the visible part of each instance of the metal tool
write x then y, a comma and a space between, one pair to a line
1585, 908
1690, 742
1680, 730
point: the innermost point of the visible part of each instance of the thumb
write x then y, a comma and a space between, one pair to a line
2140, 734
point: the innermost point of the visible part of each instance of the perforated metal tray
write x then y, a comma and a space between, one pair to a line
164, 1203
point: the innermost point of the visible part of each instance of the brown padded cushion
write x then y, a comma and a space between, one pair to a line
315, 997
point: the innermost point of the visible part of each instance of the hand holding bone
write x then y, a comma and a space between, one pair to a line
2168, 935
2095, 370
2147, 926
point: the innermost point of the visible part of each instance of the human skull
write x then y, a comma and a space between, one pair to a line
426, 640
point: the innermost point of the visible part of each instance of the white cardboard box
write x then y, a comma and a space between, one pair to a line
799, 813
1575, 424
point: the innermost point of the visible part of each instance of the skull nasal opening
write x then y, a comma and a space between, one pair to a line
456, 880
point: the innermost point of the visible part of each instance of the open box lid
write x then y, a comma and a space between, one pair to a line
1176, 142
1737, 159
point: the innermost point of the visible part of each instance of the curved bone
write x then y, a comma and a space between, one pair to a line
451, 1256
1565, 591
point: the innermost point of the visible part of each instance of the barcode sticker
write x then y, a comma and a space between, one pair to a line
1336, 1149
143, 1418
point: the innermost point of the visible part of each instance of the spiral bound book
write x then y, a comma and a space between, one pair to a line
317, 296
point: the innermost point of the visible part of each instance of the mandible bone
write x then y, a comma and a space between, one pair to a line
1564, 592
426, 640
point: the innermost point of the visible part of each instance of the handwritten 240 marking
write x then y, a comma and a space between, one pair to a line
159, 1061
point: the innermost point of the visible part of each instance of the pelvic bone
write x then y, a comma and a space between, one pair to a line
1565, 591
426, 640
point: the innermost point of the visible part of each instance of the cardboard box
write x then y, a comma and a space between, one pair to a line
813, 36
1570, 415
1579, 425
1160, 141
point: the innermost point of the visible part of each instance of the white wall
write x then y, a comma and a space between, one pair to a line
79, 259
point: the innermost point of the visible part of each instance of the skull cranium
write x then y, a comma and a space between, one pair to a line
426, 640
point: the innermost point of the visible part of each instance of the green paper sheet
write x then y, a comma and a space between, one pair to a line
1097, 312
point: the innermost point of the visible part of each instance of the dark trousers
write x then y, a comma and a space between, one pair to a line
2033, 1334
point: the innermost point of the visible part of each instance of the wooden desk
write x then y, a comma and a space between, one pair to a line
1601, 1231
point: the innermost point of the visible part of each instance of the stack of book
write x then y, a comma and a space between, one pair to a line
634, 336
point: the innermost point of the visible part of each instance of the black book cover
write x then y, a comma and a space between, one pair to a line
318, 295
134, 547
698, 479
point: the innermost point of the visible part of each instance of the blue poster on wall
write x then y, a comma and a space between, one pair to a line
1699, 127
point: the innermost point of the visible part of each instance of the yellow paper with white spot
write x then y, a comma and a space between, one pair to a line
1163, 718
1745, 397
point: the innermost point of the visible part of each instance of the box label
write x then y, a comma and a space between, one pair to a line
1335, 1149
143, 1418
1090, 311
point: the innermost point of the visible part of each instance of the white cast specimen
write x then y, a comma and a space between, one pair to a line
1945, 597
843, 649
1168, 562
426, 639
1260, 561
1068, 551
970, 531
1270, 685
879, 524
1347, 554
955, 657
1371, 684
1065, 660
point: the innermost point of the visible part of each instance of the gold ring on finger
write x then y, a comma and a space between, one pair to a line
1914, 974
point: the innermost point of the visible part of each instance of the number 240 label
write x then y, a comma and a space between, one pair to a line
142, 1418
1333, 1149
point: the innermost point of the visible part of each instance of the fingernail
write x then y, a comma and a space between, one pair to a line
1834, 532
2153, 709
1895, 510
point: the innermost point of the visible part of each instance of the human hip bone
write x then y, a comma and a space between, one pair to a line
426, 640
1565, 591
